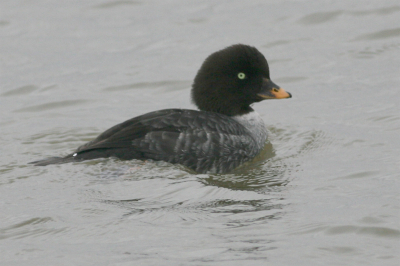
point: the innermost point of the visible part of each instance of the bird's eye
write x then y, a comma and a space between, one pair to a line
241, 75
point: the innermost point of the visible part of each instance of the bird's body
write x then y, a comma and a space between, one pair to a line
225, 133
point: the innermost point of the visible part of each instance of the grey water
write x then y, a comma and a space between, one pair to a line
325, 191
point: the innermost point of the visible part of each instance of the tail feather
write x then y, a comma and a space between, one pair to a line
90, 155
53, 160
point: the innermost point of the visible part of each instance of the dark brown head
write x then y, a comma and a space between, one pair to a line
231, 79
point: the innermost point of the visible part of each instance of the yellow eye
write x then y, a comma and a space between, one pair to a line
241, 75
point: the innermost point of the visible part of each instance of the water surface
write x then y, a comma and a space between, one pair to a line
325, 192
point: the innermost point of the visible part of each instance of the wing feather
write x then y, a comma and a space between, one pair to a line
198, 140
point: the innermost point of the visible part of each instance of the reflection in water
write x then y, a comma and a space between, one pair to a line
255, 175
184, 196
226, 211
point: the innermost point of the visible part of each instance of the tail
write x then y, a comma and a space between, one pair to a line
54, 160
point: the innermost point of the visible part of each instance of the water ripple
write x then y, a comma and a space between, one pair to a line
363, 230
382, 34
31, 227
172, 85
51, 106
119, 3
320, 17
376, 11
20, 91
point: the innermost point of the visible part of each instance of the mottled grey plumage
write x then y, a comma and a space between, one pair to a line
202, 141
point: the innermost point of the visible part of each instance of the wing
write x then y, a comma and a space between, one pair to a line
198, 140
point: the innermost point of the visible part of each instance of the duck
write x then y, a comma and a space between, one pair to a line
221, 135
